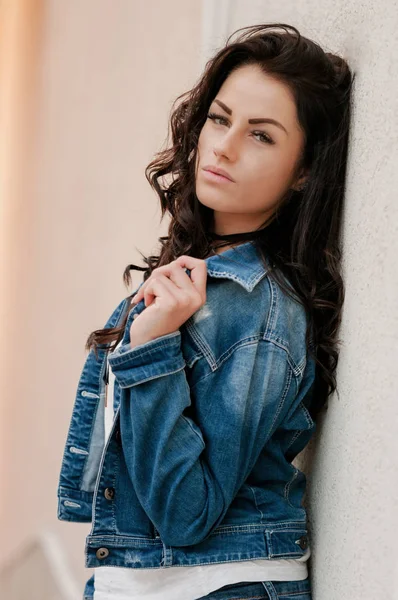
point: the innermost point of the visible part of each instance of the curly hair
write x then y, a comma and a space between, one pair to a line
302, 238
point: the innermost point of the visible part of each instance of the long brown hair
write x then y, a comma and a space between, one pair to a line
302, 239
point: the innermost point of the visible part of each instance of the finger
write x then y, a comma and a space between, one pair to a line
182, 279
178, 293
198, 270
179, 276
162, 288
172, 270
140, 293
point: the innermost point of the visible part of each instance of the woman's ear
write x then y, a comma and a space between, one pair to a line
302, 181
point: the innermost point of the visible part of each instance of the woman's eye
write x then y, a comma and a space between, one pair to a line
215, 117
264, 137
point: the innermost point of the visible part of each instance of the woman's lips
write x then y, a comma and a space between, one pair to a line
214, 177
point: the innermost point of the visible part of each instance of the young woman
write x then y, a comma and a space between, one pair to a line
225, 355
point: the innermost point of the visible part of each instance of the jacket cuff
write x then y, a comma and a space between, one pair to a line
158, 357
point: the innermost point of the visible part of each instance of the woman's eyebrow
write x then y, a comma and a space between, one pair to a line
253, 121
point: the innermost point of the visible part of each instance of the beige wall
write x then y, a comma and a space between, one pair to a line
20, 47
106, 75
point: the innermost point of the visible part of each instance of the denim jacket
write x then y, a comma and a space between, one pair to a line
197, 468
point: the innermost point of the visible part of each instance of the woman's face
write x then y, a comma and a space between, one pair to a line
261, 158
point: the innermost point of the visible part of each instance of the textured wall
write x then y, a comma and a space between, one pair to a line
351, 463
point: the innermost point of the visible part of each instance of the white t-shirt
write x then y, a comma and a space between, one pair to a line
191, 582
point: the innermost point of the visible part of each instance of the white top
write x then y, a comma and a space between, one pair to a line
190, 582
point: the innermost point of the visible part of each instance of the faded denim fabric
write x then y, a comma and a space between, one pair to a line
197, 468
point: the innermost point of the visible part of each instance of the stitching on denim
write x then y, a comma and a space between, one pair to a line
76, 450
171, 339
279, 342
89, 394
248, 284
270, 325
241, 343
115, 473
71, 504
286, 489
270, 589
294, 438
255, 500
259, 527
149, 378
283, 397
195, 432
203, 347
302, 365
310, 420
247, 341
270, 333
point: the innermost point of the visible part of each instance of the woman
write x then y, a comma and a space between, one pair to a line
226, 354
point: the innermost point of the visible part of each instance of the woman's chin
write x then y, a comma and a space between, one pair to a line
213, 199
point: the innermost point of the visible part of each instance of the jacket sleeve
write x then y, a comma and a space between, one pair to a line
186, 473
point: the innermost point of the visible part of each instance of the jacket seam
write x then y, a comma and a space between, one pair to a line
294, 438
202, 346
255, 501
283, 396
166, 341
194, 431
156, 376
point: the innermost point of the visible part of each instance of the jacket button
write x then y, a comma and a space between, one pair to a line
109, 493
117, 435
102, 553
303, 542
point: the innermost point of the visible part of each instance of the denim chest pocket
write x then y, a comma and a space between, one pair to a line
230, 316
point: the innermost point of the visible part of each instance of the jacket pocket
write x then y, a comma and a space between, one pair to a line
287, 542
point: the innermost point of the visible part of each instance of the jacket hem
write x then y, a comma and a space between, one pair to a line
226, 544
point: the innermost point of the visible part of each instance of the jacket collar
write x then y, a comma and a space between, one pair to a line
242, 264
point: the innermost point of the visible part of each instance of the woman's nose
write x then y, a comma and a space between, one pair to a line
227, 146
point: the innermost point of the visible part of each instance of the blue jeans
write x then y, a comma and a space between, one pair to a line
263, 590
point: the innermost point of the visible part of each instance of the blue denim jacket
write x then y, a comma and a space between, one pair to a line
197, 468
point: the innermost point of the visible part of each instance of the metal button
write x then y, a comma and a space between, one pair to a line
102, 553
303, 542
135, 315
109, 493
